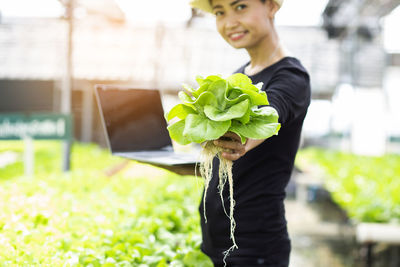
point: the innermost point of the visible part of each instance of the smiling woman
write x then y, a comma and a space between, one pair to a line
261, 167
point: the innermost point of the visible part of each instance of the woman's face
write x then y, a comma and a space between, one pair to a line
244, 23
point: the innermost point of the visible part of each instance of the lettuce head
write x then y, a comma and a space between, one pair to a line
221, 105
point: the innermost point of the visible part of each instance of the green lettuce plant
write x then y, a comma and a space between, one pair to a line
216, 107
221, 105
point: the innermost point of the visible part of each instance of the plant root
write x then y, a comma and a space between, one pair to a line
208, 153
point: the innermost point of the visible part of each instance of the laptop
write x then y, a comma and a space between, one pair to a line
135, 127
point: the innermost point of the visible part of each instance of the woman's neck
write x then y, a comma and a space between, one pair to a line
265, 54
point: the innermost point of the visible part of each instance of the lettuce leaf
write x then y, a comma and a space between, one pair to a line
236, 111
241, 81
180, 111
176, 132
257, 129
199, 128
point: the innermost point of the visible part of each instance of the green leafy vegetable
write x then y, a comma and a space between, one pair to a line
221, 105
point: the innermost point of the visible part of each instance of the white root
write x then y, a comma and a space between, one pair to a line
223, 176
208, 153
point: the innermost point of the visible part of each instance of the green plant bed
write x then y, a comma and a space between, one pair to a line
366, 187
85, 218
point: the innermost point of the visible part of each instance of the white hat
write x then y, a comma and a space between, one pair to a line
206, 6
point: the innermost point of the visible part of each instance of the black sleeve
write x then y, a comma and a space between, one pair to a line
289, 93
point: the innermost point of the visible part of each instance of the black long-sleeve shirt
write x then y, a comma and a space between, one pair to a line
260, 176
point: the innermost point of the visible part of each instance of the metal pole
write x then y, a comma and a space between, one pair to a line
67, 83
370, 255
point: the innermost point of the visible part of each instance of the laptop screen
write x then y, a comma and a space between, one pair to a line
133, 118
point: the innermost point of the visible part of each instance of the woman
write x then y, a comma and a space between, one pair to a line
261, 168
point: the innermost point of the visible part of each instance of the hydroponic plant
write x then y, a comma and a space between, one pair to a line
216, 107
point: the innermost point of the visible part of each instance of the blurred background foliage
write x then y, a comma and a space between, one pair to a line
86, 217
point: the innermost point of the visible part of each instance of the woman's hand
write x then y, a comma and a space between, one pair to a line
235, 149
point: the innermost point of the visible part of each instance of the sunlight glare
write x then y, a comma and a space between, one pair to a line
154, 11
29, 8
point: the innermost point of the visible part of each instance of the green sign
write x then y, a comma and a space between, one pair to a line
36, 126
